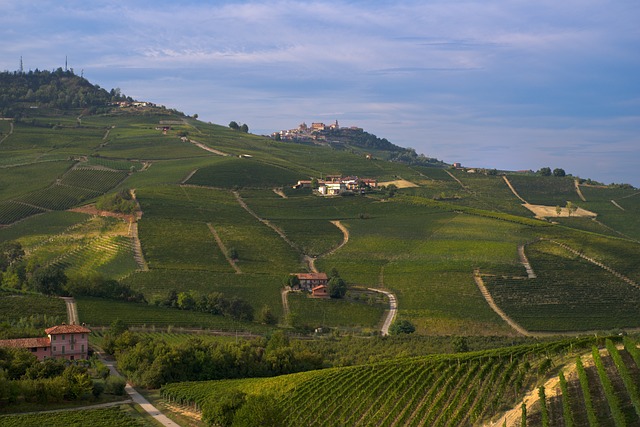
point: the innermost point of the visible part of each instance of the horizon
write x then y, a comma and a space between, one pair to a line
497, 85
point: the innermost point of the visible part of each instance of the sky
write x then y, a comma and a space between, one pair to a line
508, 84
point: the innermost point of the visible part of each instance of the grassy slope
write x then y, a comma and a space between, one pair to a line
424, 252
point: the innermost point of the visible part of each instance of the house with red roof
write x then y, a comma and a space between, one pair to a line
310, 280
320, 291
62, 342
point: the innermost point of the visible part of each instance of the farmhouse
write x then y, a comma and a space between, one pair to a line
308, 281
62, 342
320, 291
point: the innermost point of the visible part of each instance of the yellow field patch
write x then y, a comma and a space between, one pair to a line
400, 183
543, 211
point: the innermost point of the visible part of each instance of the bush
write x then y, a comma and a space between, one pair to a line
402, 327
115, 385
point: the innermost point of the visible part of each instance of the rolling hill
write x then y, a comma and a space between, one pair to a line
462, 251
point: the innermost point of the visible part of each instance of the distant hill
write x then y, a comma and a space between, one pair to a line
59, 89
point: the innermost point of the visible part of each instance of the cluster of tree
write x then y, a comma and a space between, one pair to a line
402, 327
337, 285
11, 253
151, 362
96, 285
16, 273
213, 303
410, 157
120, 202
23, 377
360, 138
55, 89
559, 172
242, 128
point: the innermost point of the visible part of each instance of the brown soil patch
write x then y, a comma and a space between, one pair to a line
91, 210
542, 211
400, 183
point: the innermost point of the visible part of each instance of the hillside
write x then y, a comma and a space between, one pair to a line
175, 226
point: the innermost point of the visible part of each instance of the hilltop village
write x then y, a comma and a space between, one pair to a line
316, 132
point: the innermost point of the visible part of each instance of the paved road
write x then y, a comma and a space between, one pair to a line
72, 310
393, 310
140, 400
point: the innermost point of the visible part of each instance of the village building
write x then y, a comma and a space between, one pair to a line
332, 188
308, 281
69, 342
320, 291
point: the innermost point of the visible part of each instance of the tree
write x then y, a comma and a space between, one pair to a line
49, 280
293, 281
10, 253
402, 327
266, 316
558, 210
234, 125
571, 208
195, 116
544, 171
559, 172
186, 301
337, 287
460, 345
244, 128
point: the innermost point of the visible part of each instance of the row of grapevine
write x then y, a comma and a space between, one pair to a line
11, 212
58, 197
602, 391
93, 179
123, 165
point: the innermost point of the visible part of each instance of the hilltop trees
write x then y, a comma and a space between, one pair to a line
235, 126
544, 171
53, 89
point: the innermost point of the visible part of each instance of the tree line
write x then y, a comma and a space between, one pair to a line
151, 362
23, 378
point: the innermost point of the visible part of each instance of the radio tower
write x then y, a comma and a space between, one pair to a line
21, 66
65, 64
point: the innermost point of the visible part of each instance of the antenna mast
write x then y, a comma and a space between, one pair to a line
21, 66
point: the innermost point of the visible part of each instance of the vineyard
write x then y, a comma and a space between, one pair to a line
569, 294
602, 388
107, 417
447, 390
545, 190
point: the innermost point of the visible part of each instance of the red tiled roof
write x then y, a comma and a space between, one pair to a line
312, 276
67, 329
26, 342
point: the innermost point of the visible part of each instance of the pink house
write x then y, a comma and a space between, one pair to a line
69, 341
40, 347
62, 342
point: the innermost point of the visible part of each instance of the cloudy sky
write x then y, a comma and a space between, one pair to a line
509, 84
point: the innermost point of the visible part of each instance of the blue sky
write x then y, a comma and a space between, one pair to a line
508, 84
